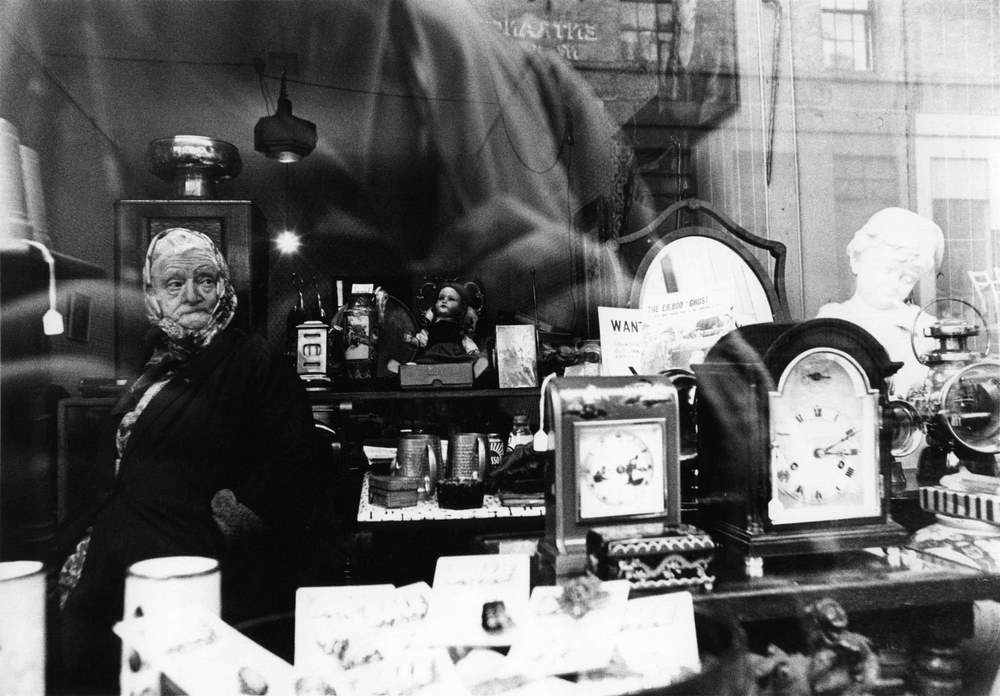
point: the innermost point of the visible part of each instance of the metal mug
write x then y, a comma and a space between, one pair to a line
417, 456
467, 455
498, 448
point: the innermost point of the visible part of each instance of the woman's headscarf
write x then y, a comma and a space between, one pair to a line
181, 341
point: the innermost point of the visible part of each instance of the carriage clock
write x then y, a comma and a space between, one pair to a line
616, 451
790, 429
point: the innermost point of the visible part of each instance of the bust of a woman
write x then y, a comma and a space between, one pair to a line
888, 255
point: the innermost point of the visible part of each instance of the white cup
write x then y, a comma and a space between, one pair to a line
153, 588
161, 583
22, 628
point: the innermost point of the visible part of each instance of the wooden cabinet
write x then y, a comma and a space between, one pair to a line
237, 227
28, 398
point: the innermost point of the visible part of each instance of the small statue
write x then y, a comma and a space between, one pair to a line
842, 662
888, 255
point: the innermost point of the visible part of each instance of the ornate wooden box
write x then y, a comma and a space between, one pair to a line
652, 556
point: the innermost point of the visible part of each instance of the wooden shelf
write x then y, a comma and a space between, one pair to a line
67, 267
328, 395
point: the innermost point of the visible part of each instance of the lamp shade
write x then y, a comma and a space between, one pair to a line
284, 137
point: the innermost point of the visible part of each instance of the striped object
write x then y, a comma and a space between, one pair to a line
973, 506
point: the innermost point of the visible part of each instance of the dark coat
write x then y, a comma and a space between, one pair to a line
231, 418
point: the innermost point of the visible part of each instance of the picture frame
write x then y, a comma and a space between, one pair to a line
516, 356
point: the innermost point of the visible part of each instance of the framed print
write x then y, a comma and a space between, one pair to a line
620, 468
517, 356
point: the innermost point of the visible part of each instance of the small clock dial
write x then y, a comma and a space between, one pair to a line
620, 469
824, 435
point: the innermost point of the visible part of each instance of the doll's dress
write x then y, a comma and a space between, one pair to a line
444, 343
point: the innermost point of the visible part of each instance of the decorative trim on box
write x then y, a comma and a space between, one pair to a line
975, 506
674, 584
671, 571
646, 547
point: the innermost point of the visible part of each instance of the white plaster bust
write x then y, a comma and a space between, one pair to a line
888, 255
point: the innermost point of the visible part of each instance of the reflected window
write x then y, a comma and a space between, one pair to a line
961, 206
646, 31
847, 34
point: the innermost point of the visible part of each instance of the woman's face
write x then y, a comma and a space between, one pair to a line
186, 286
449, 303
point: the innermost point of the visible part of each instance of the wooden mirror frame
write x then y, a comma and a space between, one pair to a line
734, 237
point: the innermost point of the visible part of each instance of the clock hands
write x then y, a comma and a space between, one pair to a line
824, 451
631, 469
842, 452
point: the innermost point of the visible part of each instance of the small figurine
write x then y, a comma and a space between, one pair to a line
842, 662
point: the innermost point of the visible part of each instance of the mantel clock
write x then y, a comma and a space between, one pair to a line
616, 451
790, 430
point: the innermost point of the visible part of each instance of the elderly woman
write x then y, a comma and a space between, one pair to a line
211, 411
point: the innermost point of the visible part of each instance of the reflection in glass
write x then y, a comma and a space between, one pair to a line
693, 265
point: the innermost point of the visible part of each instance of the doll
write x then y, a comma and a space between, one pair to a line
448, 326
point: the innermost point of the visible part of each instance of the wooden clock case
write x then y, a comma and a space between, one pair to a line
732, 410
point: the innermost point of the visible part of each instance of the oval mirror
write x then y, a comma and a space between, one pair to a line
696, 287
696, 265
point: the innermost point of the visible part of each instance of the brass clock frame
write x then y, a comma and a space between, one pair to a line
578, 408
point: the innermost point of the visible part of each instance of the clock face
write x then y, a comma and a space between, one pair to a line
620, 468
824, 441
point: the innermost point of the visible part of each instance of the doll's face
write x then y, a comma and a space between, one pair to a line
186, 285
449, 303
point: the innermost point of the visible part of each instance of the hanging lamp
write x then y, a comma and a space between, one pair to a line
284, 137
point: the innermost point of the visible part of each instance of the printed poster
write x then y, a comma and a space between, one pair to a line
621, 340
680, 327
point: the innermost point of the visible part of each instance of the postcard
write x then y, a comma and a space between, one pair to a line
565, 635
480, 600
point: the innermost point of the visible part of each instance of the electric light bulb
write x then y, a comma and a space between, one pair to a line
288, 242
